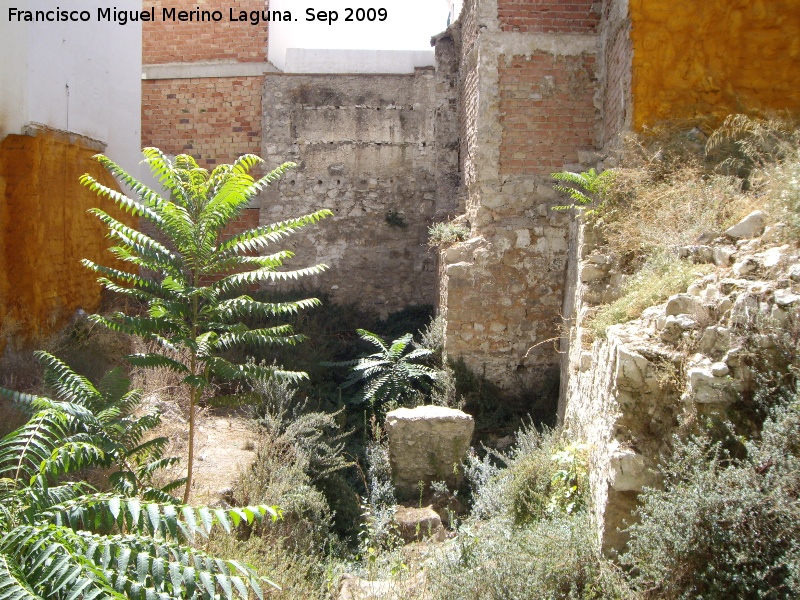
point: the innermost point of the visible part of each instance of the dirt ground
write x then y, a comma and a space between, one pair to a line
225, 445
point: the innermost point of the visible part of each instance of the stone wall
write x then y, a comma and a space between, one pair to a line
682, 361
527, 108
365, 149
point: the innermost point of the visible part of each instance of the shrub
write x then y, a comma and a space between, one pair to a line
724, 527
446, 234
61, 539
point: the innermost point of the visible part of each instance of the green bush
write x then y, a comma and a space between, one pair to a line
724, 527
446, 234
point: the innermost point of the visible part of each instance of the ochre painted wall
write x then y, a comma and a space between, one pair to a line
694, 59
45, 231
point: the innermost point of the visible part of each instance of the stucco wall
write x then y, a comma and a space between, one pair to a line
45, 232
365, 148
700, 59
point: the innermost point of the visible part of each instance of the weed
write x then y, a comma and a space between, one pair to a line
661, 277
441, 235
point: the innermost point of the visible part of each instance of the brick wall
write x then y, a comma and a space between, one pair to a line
617, 54
214, 119
468, 92
191, 42
548, 16
547, 111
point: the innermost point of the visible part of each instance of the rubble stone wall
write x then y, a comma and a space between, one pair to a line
366, 149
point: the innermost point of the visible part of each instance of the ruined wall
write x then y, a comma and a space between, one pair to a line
527, 108
615, 69
365, 149
713, 58
45, 231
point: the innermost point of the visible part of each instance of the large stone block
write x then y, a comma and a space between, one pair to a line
427, 444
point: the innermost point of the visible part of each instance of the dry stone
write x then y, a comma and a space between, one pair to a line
418, 523
427, 444
749, 227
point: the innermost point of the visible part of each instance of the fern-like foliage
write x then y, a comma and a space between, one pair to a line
196, 303
62, 540
584, 189
396, 372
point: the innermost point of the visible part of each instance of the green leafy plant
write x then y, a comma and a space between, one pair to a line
395, 219
393, 373
194, 303
62, 539
585, 189
445, 234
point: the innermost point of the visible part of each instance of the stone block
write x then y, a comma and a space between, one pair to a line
418, 523
749, 227
427, 444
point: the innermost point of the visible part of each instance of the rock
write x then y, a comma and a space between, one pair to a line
355, 588
683, 304
416, 524
745, 266
723, 255
706, 388
427, 444
784, 298
630, 472
773, 256
715, 341
794, 272
591, 273
749, 227
720, 369
744, 309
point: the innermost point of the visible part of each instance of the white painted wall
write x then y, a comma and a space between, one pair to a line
409, 26
82, 77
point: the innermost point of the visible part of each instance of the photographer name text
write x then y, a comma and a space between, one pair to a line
252, 17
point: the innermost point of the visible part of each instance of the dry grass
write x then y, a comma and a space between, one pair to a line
661, 277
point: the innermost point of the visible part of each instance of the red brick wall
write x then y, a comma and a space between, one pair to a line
190, 42
546, 111
546, 16
215, 119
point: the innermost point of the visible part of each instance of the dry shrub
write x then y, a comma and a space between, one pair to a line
660, 277
649, 211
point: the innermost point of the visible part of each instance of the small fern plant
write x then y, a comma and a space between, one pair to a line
396, 372
61, 539
585, 189
195, 302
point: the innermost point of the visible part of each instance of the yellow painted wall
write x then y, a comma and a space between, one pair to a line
45, 231
710, 58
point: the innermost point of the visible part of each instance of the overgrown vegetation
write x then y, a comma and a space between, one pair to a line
447, 233
62, 538
193, 308
659, 278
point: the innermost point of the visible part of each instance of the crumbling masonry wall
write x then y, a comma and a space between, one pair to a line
527, 82
365, 149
